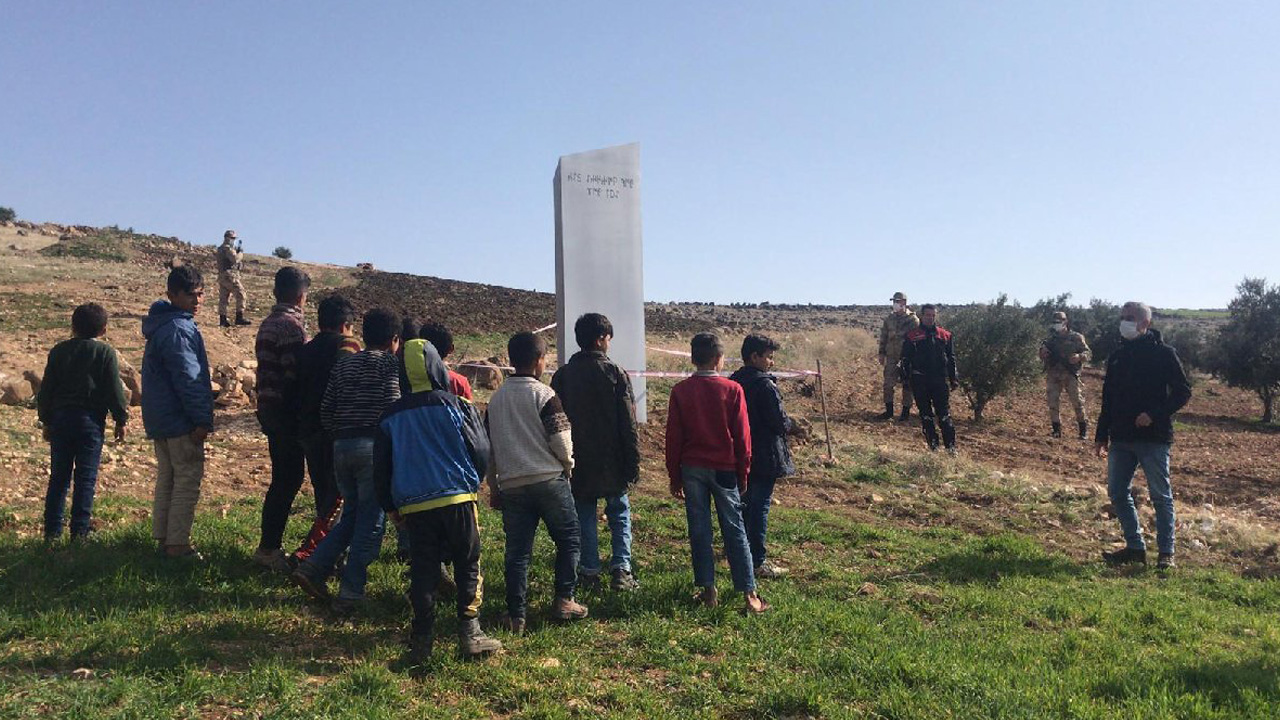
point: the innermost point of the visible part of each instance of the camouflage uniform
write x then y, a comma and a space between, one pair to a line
892, 332
229, 260
1063, 375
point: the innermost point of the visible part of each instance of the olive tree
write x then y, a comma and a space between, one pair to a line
1247, 354
995, 350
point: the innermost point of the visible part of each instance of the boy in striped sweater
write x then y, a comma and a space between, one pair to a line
529, 478
361, 387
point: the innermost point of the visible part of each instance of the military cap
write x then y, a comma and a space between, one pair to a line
229, 235
898, 296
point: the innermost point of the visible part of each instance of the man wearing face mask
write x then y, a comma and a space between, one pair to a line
1063, 353
1144, 387
929, 364
896, 326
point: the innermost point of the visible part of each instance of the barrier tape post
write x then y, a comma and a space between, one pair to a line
826, 424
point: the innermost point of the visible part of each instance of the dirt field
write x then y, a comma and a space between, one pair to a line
1226, 467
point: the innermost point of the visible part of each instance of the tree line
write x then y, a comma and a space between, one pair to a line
997, 343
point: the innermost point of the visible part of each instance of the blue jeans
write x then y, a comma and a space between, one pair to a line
75, 449
359, 531
701, 485
1122, 462
755, 515
618, 511
522, 508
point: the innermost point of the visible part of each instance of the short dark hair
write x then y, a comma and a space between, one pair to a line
439, 337
89, 320
525, 349
290, 283
757, 345
184, 279
928, 306
380, 327
408, 328
705, 348
336, 311
589, 327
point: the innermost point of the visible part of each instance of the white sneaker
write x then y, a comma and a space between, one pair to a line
770, 570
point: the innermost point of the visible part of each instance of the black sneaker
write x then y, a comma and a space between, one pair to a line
622, 581
589, 582
1057, 430
886, 415
420, 647
1165, 562
1125, 556
314, 588
1084, 429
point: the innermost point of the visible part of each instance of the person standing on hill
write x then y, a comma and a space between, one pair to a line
230, 259
280, 338
1145, 385
1064, 353
896, 325
929, 364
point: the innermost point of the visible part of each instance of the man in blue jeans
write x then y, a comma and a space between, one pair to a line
361, 387
1145, 385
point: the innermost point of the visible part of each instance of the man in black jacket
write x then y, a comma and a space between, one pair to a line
929, 364
770, 456
597, 398
1145, 385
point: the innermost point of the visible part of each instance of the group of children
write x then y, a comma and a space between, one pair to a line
388, 431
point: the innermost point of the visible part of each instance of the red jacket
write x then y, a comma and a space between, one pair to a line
458, 385
707, 427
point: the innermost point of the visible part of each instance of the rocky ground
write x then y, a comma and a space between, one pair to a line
1226, 467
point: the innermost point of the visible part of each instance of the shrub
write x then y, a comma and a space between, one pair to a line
7, 214
1189, 342
1247, 354
282, 252
995, 351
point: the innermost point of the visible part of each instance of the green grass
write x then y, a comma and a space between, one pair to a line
111, 245
30, 312
956, 626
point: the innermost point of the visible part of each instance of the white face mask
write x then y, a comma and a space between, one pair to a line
1129, 329
899, 307
1059, 327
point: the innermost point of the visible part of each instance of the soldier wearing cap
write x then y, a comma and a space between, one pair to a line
896, 326
1063, 354
230, 258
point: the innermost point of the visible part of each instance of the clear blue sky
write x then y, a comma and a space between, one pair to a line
798, 152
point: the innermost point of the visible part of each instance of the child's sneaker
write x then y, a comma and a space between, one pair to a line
514, 625
567, 609
708, 597
310, 585
344, 607
274, 560
770, 570
622, 580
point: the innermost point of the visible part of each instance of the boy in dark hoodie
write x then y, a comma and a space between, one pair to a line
177, 408
81, 384
597, 398
429, 455
770, 456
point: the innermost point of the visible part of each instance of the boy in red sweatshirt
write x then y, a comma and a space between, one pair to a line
708, 456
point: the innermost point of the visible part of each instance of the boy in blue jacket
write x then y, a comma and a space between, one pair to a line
177, 408
429, 455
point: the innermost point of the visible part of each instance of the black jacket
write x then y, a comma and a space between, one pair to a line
315, 362
1144, 375
770, 456
597, 398
928, 354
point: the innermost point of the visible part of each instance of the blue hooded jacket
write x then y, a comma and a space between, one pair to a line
176, 395
431, 450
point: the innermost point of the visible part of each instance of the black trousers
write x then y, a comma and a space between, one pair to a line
933, 398
319, 451
288, 466
448, 533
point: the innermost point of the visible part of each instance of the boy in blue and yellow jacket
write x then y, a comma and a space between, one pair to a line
429, 456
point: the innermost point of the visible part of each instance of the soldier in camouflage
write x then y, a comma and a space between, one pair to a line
1063, 354
896, 326
230, 257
